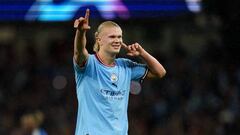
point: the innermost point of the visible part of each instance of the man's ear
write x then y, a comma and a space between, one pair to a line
98, 39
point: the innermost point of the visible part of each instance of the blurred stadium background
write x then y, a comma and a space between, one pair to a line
197, 42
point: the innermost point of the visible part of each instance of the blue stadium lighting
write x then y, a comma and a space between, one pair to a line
48, 10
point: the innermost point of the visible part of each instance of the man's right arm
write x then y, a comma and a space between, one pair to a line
80, 51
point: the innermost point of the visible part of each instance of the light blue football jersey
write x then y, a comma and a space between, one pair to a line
103, 94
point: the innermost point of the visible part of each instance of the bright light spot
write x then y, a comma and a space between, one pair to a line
59, 82
135, 87
194, 5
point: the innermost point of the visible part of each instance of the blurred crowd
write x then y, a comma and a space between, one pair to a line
198, 96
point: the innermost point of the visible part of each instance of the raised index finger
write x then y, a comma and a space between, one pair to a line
124, 46
87, 14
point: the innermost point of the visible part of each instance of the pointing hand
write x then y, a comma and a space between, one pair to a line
82, 22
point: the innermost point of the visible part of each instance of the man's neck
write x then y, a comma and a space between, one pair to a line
106, 58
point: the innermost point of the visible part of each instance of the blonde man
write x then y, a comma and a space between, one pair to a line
103, 81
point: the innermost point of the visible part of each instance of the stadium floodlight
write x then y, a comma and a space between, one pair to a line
194, 5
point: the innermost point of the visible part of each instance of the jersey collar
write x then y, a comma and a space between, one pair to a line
100, 60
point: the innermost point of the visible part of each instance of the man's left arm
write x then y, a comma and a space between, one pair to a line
155, 68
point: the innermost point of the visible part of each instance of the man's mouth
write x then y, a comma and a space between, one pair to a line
116, 46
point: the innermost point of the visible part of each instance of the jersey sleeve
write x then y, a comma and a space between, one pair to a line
138, 71
79, 69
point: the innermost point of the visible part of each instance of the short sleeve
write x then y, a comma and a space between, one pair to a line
79, 69
138, 71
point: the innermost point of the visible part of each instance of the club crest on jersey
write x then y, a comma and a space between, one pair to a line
113, 78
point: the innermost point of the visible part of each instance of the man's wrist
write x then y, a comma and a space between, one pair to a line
81, 32
143, 53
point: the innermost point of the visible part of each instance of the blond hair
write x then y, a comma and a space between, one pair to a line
96, 46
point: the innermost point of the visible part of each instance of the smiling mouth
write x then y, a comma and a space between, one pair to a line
116, 46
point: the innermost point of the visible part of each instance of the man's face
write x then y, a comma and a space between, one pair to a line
110, 39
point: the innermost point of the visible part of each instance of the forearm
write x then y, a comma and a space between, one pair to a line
156, 69
80, 51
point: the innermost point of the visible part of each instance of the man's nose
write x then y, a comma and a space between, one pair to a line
117, 40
